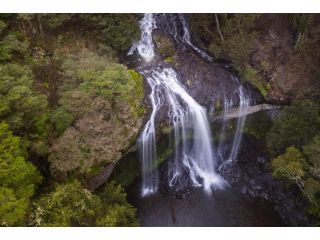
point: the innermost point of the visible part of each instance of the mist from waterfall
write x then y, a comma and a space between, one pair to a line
194, 153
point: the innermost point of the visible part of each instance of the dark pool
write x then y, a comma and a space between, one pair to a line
224, 208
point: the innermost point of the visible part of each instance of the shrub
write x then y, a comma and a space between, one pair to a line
61, 119
295, 126
20, 105
72, 205
290, 165
18, 179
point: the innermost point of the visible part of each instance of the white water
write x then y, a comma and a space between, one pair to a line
145, 46
176, 25
192, 135
226, 106
187, 39
243, 105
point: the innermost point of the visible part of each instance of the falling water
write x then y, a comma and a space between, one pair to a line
244, 101
226, 106
192, 136
145, 46
177, 26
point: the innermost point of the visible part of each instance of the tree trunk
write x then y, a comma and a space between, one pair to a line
218, 26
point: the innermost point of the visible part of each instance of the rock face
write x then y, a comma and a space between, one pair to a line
205, 81
251, 176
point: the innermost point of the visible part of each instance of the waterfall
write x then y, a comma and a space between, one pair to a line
192, 136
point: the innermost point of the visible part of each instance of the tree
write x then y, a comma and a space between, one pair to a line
72, 205
12, 45
18, 179
68, 205
289, 165
295, 126
312, 151
118, 211
20, 105
118, 30
105, 104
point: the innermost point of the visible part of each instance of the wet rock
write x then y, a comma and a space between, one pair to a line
249, 173
165, 45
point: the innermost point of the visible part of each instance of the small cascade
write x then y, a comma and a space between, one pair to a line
244, 101
227, 104
145, 46
177, 26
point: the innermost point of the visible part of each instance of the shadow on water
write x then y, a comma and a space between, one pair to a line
224, 208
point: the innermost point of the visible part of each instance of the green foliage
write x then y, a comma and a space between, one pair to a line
95, 75
113, 83
126, 171
295, 126
251, 75
53, 20
118, 30
13, 45
68, 205
257, 125
13, 209
20, 105
118, 212
74, 63
18, 179
2, 26
240, 37
312, 151
61, 119
72, 205
300, 22
289, 165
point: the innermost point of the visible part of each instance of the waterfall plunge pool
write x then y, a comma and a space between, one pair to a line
224, 208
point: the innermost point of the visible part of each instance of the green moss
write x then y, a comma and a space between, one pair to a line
95, 169
164, 45
251, 75
169, 60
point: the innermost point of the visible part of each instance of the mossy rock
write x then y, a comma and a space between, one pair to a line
164, 45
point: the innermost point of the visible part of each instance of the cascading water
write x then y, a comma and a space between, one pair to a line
176, 25
244, 101
192, 135
145, 46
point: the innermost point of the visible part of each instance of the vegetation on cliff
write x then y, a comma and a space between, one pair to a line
70, 107
294, 142
277, 53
